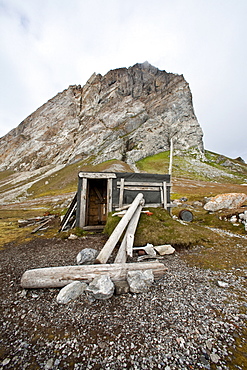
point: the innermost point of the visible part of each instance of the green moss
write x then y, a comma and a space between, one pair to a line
159, 163
9, 229
66, 179
238, 358
76, 231
161, 228
111, 223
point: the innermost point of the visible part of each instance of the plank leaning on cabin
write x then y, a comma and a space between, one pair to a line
117, 232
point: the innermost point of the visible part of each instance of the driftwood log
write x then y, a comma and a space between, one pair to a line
55, 277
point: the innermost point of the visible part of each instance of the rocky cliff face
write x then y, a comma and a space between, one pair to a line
127, 114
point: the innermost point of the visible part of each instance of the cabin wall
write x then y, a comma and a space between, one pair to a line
153, 196
99, 193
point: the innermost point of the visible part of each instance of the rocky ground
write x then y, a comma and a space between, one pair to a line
189, 319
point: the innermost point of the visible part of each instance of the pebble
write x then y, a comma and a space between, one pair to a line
222, 284
214, 358
6, 361
185, 321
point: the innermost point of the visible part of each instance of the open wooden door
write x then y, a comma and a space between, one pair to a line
96, 209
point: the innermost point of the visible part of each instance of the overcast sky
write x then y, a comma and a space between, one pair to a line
47, 45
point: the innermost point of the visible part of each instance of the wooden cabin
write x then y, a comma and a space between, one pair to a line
102, 192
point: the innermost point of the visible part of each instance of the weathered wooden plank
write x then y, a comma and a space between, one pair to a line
155, 205
132, 229
69, 213
97, 175
161, 195
164, 195
121, 193
141, 183
55, 277
139, 188
121, 256
83, 202
98, 194
171, 157
31, 221
117, 232
109, 195
40, 226
93, 227
127, 245
122, 208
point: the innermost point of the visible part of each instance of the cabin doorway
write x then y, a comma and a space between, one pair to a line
96, 207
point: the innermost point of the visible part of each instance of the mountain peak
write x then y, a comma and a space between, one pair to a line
127, 114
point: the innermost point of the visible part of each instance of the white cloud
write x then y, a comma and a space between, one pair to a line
48, 45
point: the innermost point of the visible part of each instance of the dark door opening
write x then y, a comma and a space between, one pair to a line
96, 213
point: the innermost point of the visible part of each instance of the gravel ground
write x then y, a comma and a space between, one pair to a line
185, 321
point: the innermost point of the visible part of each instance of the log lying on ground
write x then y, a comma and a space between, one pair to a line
56, 277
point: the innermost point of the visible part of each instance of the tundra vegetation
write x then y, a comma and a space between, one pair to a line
204, 242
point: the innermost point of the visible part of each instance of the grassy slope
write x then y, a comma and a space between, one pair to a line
188, 166
187, 182
65, 180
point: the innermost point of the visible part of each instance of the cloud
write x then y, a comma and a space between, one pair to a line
48, 45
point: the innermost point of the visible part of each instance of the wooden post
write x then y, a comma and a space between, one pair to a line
171, 155
55, 277
164, 195
109, 195
117, 232
83, 202
121, 192
126, 247
161, 195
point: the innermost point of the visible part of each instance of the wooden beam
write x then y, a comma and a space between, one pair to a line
117, 232
109, 195
161, 195
171, 157
155, 205
69, 213
164, 195
131, 229
128, 241
141, 183
40, 226
78, 208
121, 256
129, 244
83, 203
56, 277
97, 175
139, 188
121, 193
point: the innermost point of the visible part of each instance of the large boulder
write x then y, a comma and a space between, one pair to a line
101, 287
225, 201
140, 281
86, 256
71, 292
164, 249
